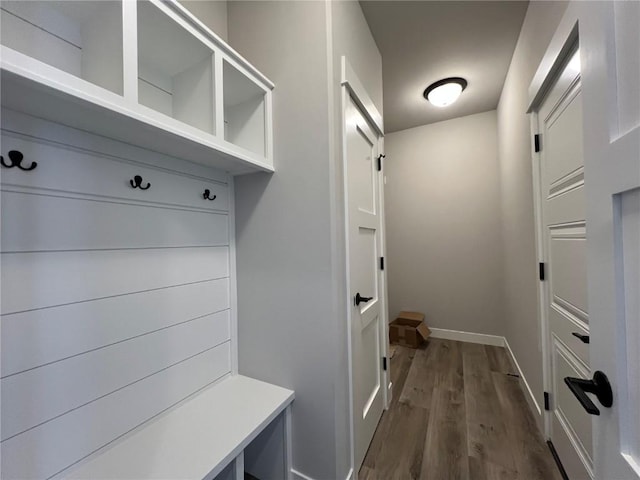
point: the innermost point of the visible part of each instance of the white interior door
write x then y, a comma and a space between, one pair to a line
364, 234
610, 47
564, 250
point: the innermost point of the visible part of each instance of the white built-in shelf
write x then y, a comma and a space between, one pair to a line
196, 440
145, 72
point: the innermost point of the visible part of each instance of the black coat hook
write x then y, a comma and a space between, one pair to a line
16, 161
206, 194
137, 183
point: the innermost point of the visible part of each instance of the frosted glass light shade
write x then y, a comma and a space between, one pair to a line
445, 92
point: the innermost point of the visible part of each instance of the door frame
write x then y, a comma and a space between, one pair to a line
561, 47
351, 87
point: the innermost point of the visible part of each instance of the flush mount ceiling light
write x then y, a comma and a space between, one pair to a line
446, 91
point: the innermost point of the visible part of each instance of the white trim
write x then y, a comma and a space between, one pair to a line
384, 307
238, 466
343, 150
541, 256
467, 337
296, 475
130, 51
288, 443
233, 278
561, 44
218, 94
531, 399
268, 132
350, 80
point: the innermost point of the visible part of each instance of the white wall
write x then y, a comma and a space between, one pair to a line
283, 226
350, 37
213, 13
290, 225
444, 234
518, 234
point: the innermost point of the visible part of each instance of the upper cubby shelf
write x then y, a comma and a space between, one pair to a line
145, 72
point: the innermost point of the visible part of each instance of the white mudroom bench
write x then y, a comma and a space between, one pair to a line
202, 438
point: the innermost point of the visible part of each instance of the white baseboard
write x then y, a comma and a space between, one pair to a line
467, 337
531, 399
301, 476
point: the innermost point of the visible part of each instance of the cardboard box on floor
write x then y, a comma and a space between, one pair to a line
408, 330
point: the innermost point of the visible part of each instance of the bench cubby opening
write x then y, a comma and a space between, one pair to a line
175, 70
244, 111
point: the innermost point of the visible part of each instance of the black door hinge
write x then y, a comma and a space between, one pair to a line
536, 142
384, 363
381, 263
380, 157
541, 272
546, 401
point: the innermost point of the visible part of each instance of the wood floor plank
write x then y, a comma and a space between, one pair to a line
400, 365
401, 457
367, 473
532, 458
498, 359
443, 456
424, 371
486, 433
399, 368
483, 470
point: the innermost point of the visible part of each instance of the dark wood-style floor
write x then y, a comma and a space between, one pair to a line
457, 414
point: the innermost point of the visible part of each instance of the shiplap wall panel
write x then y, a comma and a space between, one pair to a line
43, 336
54, 446
45, 279
115, 301
64, 168
40, 394
28, 225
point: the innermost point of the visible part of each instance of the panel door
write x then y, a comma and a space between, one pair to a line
610, 41
367, 332
565, 247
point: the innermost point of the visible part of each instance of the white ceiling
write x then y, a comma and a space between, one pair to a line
424, 41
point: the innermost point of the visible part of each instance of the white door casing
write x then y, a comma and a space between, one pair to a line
610, 76
367, 329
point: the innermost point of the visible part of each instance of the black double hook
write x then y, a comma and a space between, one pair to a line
206, 194
137, 183
16, 158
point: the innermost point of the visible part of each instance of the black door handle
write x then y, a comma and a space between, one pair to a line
599, 386
360, 299
584, 338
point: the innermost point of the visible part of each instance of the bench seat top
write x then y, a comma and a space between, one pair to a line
197, 439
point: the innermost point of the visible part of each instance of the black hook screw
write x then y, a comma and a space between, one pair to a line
137, 183
206, 194
16, 158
